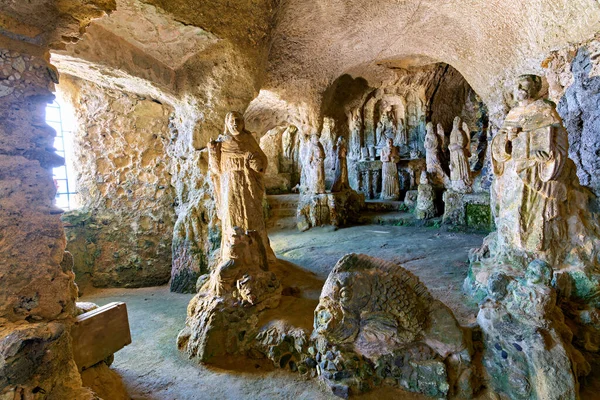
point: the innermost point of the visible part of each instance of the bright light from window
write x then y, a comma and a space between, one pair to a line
60, 116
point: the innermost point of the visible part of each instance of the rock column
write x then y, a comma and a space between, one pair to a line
38, 291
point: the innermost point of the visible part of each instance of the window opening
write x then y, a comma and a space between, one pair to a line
64, 176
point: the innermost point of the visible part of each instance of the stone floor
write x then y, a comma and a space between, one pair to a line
437, 257
153, 369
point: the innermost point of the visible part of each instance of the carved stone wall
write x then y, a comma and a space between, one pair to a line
122, 234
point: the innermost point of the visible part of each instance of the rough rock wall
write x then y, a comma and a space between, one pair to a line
122, 234
573, 75
37, 291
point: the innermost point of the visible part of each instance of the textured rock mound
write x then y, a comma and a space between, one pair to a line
222, 316
375, 321
527, 345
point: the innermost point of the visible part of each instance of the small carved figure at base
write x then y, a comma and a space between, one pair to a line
425, 208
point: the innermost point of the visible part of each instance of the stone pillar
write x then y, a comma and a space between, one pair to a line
38, 292
32, 242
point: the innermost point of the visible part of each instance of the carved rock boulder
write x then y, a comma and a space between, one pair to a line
376, 321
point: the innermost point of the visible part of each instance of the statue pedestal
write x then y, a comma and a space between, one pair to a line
336, 209
369, 177
468, 210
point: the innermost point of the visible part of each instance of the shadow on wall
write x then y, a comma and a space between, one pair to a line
580, 111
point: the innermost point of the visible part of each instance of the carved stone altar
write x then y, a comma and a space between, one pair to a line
369, 177
471, 210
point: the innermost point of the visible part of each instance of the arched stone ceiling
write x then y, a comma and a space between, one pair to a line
488, 41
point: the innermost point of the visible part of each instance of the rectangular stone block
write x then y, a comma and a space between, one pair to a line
100, 333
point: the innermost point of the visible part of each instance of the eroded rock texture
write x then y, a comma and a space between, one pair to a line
37, 295
122, 234
518, 320
376, 321
548, 235
574, 84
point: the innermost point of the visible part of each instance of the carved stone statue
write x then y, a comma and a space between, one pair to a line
237, 165
315, 166
534, 144
432, 148
340, 182
425, 208
355, 134
443, 139
386, 126
401, 133
288, 140
459, 147
390, 188
241, 285
542, 214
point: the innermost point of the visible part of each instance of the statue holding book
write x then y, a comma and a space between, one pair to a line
533, 145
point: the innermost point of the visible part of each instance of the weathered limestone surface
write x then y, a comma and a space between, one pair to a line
122, 234
518, 320
105, 382
37, 295
376, 321
572, 74
242, 285
36, 286
547, 234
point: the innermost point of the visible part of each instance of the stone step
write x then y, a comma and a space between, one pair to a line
282, 212
384, 206
283, 201
397, 218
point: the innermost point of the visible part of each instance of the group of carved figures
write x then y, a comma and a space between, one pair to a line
459, 150
313, 166
436, 147
533, 172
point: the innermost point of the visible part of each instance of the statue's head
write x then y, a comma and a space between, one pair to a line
440, 130
456, 123
429, 128
341, 141
234, 123
343, 297
528, 87
424, 178
390, 142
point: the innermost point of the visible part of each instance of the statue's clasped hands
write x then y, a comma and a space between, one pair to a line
541, 155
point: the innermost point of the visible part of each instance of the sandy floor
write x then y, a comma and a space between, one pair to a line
153, 369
